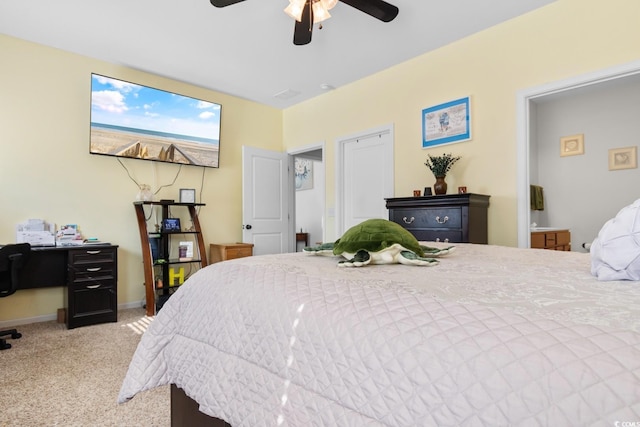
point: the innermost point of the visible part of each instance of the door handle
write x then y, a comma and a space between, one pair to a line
248, 227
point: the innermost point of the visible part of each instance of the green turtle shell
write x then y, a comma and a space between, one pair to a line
374, 235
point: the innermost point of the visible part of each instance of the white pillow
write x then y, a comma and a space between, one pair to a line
615, 253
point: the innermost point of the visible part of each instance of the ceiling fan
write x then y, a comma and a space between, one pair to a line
309, 12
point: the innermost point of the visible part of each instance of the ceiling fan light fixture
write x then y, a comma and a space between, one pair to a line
295, 8
320, 12
329, 4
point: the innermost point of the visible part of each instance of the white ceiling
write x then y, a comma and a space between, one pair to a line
247, 49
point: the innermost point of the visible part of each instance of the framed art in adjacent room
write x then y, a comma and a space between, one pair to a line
572, 145
623, 158
446, 123
303, 170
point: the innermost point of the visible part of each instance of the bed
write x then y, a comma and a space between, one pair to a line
491, 336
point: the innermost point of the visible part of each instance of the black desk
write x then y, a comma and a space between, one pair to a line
46, 267
89, 272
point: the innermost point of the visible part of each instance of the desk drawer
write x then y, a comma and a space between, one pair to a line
92, 303
92, 256
92, 284
91, 272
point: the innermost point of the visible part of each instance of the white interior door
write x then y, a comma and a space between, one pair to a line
265, 200
365, 176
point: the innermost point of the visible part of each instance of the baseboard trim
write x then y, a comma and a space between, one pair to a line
7, 324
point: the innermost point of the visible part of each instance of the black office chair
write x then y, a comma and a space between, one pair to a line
12, 258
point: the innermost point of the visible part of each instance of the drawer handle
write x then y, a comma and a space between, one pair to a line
94, 269
92, 286
445, 240
445, 219
408, 221
93, 252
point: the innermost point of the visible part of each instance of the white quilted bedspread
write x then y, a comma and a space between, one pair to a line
492, 336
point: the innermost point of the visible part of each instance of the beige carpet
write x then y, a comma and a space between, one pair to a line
53, 376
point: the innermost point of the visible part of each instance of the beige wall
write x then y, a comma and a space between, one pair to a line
562, 40
47, 172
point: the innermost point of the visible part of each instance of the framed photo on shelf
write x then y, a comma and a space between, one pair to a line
572, 145
623, 158
187, 195
446, 123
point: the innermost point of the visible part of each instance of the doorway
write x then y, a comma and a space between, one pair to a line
525, 131
308, 195
269, 219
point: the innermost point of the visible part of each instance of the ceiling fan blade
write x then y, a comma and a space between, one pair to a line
223, 3
303, 29
377, 8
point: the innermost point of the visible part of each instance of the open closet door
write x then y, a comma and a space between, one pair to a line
265, 200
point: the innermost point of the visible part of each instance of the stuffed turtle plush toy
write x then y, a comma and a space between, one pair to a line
379, 241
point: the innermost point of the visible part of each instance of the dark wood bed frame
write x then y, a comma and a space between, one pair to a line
185, 413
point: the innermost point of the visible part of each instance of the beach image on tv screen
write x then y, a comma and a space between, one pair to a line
136, 121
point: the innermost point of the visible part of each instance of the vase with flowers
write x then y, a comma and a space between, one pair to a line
439, 166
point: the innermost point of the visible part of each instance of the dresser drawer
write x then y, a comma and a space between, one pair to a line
428, 218
450, 236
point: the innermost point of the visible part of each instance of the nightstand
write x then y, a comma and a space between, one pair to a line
226, 251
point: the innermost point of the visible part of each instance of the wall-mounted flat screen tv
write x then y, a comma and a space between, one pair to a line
135, 121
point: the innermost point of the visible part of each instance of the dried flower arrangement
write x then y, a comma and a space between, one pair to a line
440, 165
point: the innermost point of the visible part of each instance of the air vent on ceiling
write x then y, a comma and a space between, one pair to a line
286, 94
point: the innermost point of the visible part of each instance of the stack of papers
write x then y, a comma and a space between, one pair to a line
36, 232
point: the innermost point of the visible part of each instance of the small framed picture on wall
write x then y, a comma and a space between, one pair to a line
623, 158
572, 145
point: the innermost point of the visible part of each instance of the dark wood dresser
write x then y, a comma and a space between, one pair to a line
455, 218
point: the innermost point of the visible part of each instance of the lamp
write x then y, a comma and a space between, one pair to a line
320, 9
